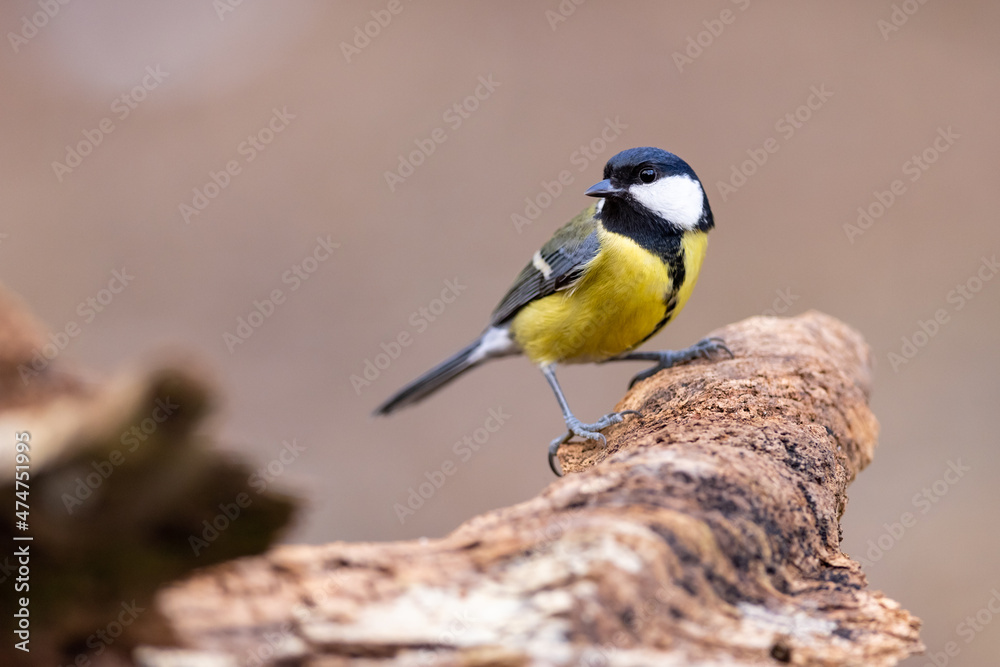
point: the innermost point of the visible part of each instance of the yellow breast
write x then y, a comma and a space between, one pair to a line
620, 300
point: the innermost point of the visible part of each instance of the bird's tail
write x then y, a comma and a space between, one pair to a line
492, 344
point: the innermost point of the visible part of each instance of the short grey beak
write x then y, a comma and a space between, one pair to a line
603, 189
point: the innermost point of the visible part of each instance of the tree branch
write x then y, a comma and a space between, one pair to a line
706, 532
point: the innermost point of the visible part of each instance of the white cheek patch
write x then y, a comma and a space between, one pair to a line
678, 199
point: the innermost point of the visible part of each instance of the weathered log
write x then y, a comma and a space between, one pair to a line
115, 480
706, 532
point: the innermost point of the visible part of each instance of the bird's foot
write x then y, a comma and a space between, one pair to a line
589, 431
585, 431
706, 348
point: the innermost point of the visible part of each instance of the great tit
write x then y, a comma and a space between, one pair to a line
603, 285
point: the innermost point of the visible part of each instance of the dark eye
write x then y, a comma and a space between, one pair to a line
647, 175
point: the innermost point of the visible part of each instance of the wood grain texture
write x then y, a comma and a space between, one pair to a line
707, 532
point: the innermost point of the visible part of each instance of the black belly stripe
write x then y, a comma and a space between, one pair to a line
668, 313
659, 238
671, 305
677, 274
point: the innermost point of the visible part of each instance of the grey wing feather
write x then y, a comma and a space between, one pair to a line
567, 254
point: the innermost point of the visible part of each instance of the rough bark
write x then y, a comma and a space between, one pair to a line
706, 533
120, 478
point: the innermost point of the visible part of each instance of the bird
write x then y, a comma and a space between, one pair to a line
604, 284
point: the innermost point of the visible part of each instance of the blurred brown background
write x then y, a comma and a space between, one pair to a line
211, 75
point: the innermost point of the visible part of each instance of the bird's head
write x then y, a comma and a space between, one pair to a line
644, 186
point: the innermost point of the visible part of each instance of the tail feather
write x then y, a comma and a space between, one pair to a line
494, 343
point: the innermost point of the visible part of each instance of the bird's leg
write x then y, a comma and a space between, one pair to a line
703, 349
574, 425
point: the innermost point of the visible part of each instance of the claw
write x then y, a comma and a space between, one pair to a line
703, 349
554, 449
585, 431
639, 377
